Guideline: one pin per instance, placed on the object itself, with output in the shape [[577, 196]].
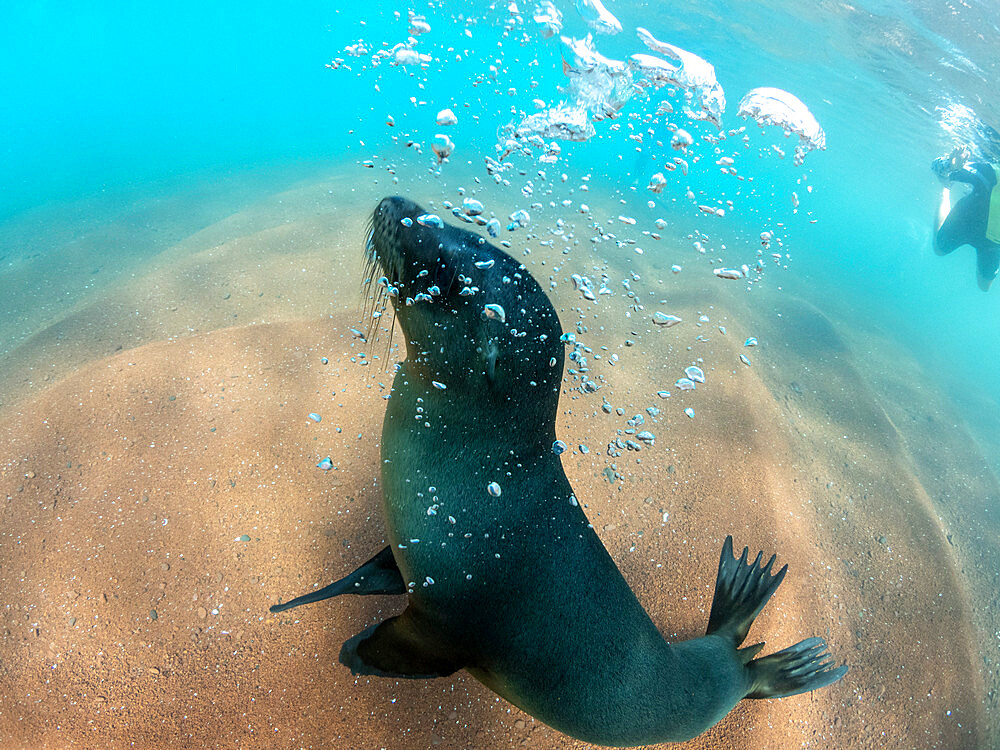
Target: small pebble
[[745, 360], [243, 538], [690, 412], [750, 342], [324, 360], [439, 386], [326, 464], [494, 489], [315, 417], [558, 447]]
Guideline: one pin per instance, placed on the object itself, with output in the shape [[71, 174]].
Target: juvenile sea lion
[[505, 577]]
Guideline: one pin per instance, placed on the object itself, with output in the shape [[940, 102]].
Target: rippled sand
[[154, 421]]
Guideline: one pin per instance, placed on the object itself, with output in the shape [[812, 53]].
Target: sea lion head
[[473, 317]]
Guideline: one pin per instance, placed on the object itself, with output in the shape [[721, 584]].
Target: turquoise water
[[128, 127], [120, 96]]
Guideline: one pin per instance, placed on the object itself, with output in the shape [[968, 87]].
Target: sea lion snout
[[418, 254], [467, 309]]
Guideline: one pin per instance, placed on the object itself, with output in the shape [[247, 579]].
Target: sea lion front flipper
[[377, 576], [398, 647]]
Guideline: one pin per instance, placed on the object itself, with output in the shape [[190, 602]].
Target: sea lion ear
[[491, 352]]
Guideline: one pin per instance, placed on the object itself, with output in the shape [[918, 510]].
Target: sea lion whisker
[[388, 346]]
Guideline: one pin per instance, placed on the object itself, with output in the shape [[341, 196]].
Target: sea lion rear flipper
[[796, 669], [377, 576], [741, 591], [398, 648]]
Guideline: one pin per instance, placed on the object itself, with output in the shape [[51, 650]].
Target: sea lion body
[[516, 587], [531, 597]]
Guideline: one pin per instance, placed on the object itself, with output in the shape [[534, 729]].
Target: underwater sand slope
[[127, 486], [288, 256]]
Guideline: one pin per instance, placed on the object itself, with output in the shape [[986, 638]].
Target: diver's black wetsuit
[[966, 222]]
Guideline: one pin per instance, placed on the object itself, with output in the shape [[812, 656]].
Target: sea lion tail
[[797, 669], [741, 591]]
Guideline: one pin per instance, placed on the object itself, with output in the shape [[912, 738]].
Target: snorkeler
[[975, 218]]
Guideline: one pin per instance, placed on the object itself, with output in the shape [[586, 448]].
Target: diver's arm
[[965, 175]]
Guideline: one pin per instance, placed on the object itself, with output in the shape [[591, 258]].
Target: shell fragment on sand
[[695, 373], [662, 319]]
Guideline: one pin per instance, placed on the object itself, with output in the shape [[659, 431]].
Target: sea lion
[[505, 577]]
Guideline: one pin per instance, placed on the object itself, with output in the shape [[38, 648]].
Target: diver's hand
[[958, 157]]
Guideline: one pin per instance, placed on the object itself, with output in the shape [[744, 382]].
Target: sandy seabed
[[154, 423]]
